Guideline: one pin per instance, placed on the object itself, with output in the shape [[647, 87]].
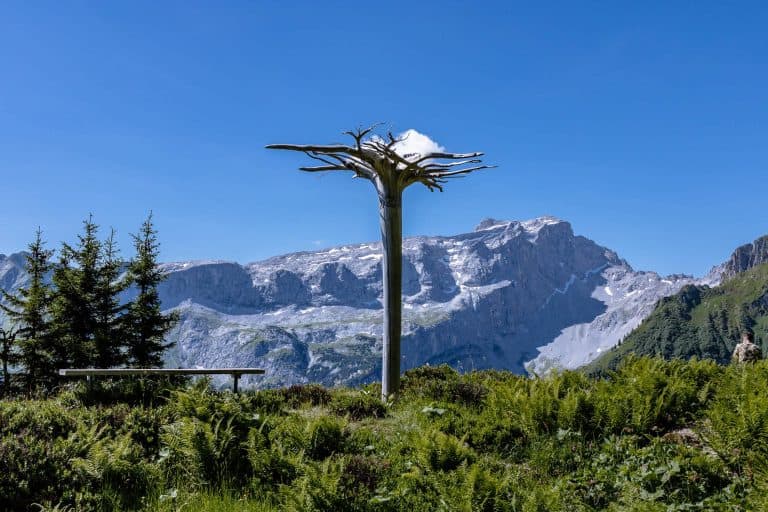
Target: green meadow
[[653, 436]]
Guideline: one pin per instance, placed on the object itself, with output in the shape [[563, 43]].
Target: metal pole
[[390, 212]]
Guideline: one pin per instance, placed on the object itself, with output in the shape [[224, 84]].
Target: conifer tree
[[29, 311], [76, 277], [147, 326], [744, 321], [109, 322]]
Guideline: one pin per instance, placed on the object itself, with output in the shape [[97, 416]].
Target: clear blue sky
[[644, 124]]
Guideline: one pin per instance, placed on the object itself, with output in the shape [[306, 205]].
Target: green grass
[[655, 435], [208, 502]]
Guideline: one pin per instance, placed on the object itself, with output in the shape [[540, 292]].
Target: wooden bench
[[236, 373]]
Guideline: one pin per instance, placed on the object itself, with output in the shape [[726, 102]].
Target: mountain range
[[527, 295]]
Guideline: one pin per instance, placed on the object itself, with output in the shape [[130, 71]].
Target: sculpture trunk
[[390, 212], [385, 162]]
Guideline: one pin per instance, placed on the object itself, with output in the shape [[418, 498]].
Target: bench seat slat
[[74, 372]]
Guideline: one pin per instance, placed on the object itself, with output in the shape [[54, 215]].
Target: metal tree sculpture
[[375, 158]]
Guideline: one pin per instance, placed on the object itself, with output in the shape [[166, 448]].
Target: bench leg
[[235, 379]]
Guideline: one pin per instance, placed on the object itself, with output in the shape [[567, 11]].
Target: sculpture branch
[[321, 168], [452, 164], [452, 156], [461, 171], [334, 148], [319, 158]]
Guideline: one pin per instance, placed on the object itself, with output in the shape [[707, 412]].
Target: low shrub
[[471, 394], [325, 436], [417, 379], [268, 401], [444, 452], [362, 473], [34, 469], [357, 406], [303, 394], [133, 390], [270, 466]]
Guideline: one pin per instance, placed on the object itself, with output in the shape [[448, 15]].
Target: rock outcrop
[[746, 257]]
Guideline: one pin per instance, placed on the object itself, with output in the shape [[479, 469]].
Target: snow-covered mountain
[[511, 295], [12, 275]]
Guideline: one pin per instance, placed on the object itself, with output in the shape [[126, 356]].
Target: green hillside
[[657, 436], [700, 321]]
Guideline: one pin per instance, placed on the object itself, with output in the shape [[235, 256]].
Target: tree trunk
[[390, 213], [6, 373]]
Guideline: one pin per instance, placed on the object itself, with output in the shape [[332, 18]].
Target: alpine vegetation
[[653, 436]]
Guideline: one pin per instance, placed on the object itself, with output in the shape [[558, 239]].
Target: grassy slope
[[485, 441], [699, 321]]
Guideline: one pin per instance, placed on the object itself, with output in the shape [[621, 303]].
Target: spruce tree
[[108, 322], [147, 326], [76, 278], [29, 311]]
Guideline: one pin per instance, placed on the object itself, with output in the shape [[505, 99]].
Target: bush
[[114, 475], [38, 418], [34, 469], [269, 465], [738, 420], [362, 473], [133, 390], [326, 436], [416, 379], [497, 434], [443, 452], [653, 395], [312, 394], [358, 406], [206, 445], [471, 394], [269, 401]]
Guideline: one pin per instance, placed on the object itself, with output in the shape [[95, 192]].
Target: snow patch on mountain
[[629, 298]]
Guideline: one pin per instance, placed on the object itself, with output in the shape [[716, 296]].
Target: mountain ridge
[[520, 295]]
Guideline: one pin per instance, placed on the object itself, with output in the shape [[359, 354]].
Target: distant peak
[[489, 223], [531, 225], [539, 222], [176, 266]]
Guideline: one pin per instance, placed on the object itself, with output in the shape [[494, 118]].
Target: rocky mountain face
[[513, 295], [12, 276], [746, 257]]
